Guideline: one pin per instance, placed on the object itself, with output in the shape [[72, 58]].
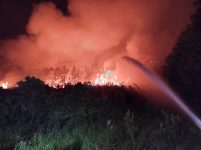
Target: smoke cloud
[[95, 34]]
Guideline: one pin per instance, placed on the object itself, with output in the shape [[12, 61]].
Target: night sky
[[14, 15]]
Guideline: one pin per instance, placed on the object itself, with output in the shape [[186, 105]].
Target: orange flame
[[107, 78], [4, 85]]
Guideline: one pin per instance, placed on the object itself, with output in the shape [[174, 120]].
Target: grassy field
[[34, 116]]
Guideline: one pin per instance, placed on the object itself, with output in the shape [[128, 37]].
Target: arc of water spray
[[165, 88]]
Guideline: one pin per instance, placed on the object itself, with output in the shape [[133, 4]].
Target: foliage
[[183, 67], [84, 117]]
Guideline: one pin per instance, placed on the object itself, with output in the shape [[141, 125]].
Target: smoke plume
[[95, 34]]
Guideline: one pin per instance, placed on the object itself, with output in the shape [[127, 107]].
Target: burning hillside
[[61, 77], [95, 34]]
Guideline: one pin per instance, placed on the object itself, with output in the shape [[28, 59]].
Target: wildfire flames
[[94, 33], [59, 81], [107, 78], [59, 77], [4, 85]]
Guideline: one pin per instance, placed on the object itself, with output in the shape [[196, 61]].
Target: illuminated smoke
[[95, 35]]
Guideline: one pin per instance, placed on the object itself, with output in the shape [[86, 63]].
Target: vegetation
[[84, 117], [34, 116], [183, 67]]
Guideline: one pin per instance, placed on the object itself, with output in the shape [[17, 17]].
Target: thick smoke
[[95, 33]]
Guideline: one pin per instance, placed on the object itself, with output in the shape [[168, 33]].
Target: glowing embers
[[4, 85], [107, 78]]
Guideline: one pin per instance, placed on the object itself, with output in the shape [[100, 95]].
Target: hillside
[[83, 117]]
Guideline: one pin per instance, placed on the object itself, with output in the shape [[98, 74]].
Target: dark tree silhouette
[[183, 67]]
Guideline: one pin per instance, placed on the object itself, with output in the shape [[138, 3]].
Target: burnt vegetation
[[35, 116]]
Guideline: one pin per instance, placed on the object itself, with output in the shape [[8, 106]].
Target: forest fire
[[93, 74], [106, 78], [94, 33], [4, 85], [59, 77]]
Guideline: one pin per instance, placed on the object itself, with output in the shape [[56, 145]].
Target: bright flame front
[[59, 80], [107, 78], [4, 85]]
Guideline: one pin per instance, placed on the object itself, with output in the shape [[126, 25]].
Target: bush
[[84, 117]]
